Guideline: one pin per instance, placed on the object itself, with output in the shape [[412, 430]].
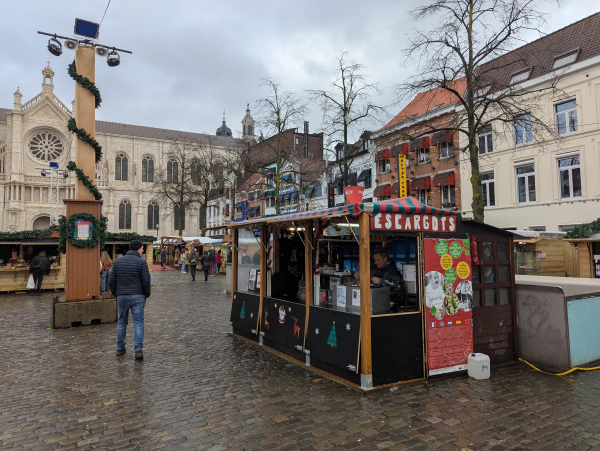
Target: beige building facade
[[532, 180], [34, 133]]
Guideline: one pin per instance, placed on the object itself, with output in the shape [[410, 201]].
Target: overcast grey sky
[[192, 59]]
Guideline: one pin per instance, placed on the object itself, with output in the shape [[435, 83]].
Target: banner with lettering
[[413, 222], [402, 176], [449, 300]]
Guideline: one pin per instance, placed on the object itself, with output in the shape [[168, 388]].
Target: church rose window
[[46, 146]]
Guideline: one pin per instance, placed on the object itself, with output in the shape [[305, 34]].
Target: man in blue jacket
[[130, 284]]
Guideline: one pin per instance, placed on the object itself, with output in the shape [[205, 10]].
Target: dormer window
[[520, 76], [565, 59]]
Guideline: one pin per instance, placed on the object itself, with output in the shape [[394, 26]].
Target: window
[[152, 216], [124, 215], [317, 191], [249, 129], [368, 181], [485, 140], [195, 173], [565, 59], [147, 169], [177, 217], [340, 153], [526, 183], [566, 228], [487, 189], [448, 198], [537, 228], [383, 166], [569, 176], [523, 129], [424, 196], [446, 149], [46, 146], [296, 140], [520, 76], [566, 117], [367, 144], [423, 155], [121, 164], [172, 171]]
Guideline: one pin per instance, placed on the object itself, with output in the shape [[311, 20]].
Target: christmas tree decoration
[[332, 340], [243, 311]]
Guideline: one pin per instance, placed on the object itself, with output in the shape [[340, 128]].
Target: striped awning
[[420, 143], [408, 205]]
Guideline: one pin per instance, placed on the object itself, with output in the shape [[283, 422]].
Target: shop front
[[15, 256], [373, 293]]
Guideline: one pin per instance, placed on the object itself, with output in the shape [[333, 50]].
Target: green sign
[[450, 275], [455, 250], [441, 247]]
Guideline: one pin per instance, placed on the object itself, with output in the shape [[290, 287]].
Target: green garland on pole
[[85, 83], [82, 135], [85, 137], [68, 228], [71, 166]]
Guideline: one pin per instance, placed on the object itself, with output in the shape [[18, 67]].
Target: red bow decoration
[[474, 252]]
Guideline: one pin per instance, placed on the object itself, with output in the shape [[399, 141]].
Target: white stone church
[[34, 133]]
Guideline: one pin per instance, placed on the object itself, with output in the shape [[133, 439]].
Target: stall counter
[[15, 279]]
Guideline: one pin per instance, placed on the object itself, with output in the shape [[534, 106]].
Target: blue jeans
[[104, 277], [182, 266], [136, 303]]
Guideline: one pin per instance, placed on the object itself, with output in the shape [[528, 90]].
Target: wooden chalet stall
[[317, 302]]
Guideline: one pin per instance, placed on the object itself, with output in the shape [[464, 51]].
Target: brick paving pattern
[[199, 388]]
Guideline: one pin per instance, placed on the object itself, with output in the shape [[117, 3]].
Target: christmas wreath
[[68, 227]]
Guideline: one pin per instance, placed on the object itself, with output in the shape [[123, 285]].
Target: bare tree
[[174, 185], [346, 106], [467, 41], [278, 112]]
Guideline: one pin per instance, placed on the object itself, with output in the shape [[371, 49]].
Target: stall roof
[[403, 205]]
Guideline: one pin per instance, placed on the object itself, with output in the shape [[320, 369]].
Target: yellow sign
[[446, 261], [463, 270], [402, 176]]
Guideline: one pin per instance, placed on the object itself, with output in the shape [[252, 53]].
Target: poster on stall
[[449, 299]]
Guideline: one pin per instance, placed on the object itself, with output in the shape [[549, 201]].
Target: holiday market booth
[[322, 303]]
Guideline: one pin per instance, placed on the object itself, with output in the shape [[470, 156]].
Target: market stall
[[15, 256], [320, 300]]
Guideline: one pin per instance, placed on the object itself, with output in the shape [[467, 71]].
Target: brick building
[[432, 167]]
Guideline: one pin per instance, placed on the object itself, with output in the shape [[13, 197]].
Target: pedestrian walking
[[105, 267], [205, 262], [39, 266], [130, 284], [218, 262], [213, 259], [164, 257], [177, 256], [193, 259], [184, 267]]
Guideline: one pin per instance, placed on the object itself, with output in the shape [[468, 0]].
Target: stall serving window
[[248, 261], [491, 278]]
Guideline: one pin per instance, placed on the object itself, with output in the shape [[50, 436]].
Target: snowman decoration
[[281, 314]]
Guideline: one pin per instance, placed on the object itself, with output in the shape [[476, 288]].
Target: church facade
[[34, 134]]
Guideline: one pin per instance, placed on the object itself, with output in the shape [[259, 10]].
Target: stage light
[[54, 46], [86, 28], [113, 59]]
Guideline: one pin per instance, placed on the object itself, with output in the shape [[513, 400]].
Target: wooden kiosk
[[458, 274]]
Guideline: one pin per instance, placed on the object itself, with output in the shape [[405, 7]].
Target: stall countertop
[[24, 268]]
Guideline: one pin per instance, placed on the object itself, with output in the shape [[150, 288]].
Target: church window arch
[[249, 129], [125, 215], [195, 172], [148, 169], [172, 171], [121, 167], [153, 215]]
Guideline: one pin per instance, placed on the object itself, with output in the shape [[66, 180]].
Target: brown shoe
[[139, 355]]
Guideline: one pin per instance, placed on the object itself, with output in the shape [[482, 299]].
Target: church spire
[[248, 126]]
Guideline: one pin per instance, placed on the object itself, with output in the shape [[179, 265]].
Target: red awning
[[446, 178], [399, 149], [420, 183], [395, 189], [382, 155], [443, 136], [382, 190], [404, 149], [420, 143]]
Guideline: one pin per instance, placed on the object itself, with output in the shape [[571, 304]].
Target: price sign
[[83, 230]]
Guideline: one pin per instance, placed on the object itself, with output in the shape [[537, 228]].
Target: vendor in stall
[[385, 274]]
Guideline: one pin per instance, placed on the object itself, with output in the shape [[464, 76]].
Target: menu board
[[449, 299]]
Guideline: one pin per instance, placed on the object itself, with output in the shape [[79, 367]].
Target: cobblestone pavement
[[199, 388]]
